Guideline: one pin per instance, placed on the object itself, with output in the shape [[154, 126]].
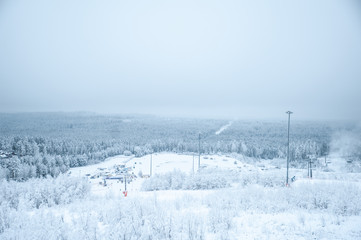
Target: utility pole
[[193, 164], [199, 151], [308, 167], [288, 144]]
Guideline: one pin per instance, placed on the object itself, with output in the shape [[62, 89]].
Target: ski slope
[[253, 209], [161, 163]]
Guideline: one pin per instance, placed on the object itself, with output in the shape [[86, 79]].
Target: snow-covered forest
[[37, 145]]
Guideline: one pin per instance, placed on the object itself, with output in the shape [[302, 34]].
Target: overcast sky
[[204, 58]]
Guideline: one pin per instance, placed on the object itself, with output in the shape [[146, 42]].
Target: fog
[[224, 59]]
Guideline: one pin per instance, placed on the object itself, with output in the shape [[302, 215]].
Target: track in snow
[[224, 128]]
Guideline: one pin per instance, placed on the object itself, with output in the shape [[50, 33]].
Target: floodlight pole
[[288, 144], [199, 151]]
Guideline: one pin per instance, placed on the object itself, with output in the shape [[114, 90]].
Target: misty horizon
[[203, 59], [281, 118]]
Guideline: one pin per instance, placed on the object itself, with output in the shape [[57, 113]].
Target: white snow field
[[252, 204]]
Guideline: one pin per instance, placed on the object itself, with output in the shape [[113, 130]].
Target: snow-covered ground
[[261, 213], [258, 206]]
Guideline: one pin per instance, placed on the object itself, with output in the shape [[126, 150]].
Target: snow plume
[[347, 143]]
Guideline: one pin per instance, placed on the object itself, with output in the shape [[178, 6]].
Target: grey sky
[[183, 57]]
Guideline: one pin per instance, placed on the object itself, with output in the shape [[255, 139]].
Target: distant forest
[[41, 144]]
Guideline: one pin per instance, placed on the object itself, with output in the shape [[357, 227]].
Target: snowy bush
[[172, 180], [214, 215], [204, 179], [266, 179], [210, 179], [43, 192], [127, 153], [337, 198]]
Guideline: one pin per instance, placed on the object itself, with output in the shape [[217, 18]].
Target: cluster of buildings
[[118, 172]]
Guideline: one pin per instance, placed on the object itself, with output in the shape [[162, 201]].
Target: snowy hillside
[[247, 200]]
